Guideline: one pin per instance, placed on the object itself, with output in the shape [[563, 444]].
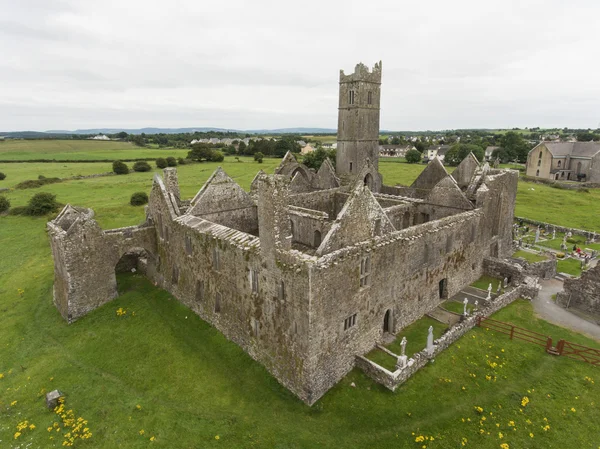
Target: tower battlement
[[362, 73]]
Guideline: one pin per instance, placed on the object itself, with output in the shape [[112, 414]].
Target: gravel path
[[549, 311]]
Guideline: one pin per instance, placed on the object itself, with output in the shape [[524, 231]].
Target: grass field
[[569, 266], [193, 386], [79, 150], [528, 256]]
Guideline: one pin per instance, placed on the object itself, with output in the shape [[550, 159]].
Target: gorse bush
[[4, 204], [120, 168], [2, 176], [171, 161], [141, 166], [160, 163], [138, 199], [42, 203]]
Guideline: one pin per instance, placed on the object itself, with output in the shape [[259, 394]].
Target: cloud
[[269, 64]]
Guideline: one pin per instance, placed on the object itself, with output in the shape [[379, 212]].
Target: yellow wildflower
[[419, 439], [142, 432], [139, 407], [31, 426], [573, 410], [17, 435], [217, 437], [500, 435], [530, 435], [152, 438], [504, 446], [13, 403]]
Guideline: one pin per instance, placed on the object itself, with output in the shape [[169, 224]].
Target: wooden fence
[[563, 347]]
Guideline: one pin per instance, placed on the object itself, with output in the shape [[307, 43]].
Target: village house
[[394, 150], [565, 161], [436, 150]]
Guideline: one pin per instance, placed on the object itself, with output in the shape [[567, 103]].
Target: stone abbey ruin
[[309, 269]]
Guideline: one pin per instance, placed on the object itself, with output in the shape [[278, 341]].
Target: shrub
[[2, 176], [413, 156], [141, 166], [181, 161], [33, 183], [19, 210], [42, 203], [171, 161], [120, 168], [4, 204], [138, 199], [160, 163], [216, 156], [258, 157]]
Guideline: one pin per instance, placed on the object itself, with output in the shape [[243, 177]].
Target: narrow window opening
[[537, 173], [370, 97], [188, 245], [350, 97], [540, 154], [559, 163], [199, 291], [365, 271], [218, 303], [350, 167], [216, 261], [254, 281], [350, 322], [281, 291], [539, 162]]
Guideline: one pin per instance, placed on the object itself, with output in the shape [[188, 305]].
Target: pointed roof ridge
[[218, 175], [254, 183], [448, 186], [287, 158], [431, 175]]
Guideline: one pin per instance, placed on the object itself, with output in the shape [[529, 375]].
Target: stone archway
[[368, 181], [387, 321]]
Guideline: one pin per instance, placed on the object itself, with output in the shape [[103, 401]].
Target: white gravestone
[[402, 361], [465, 302], [430, 341]]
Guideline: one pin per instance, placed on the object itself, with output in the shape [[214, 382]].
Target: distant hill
[[192, 130]]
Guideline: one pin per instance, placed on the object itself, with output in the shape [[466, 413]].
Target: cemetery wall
[[545, 269], [587, 234]]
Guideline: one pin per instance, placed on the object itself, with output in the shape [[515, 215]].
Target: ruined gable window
[[188, 245], [218, 303], [369, 97], [281, 292], [365, 270], [349, 322], [537, 173], [559, 163], [350, 97], [199, 290], [540, 154], [539, 162], [216, 260], [254, 281], [175, 275]]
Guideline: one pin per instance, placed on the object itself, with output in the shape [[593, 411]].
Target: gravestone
[[430, 341], [52, 399]]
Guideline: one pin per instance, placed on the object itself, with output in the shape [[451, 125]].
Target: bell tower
[[358, 124]]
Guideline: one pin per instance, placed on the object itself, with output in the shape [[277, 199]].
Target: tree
[[587, 137], [141, 166], [395, 140], [317, 157], [199, 152], [2, 176], [138, 199], [42, 203], [217, 156], [121, 135], [420, 146], [413, 156], [120, 168], [161, 163], [242, 147], [515, 146], [171, 161], [230, 149], [458, 152], [258, 157], [4, 204], [181, 161]]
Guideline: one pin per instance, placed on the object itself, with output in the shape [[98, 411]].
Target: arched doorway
[[317, 238], [134, 262], [368, 181], [387, 321], [443, 288]]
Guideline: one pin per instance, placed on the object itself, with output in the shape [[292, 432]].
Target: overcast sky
[[67, 64]]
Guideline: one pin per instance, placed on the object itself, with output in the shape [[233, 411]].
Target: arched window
[[559, 163], [537, 173]]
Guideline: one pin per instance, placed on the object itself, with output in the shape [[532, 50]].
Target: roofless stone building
[[308, 269]]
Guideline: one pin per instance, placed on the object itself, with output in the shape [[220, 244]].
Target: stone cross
[[465, 302], [553, 233], [490, 290], [430, 341], [403, 345]]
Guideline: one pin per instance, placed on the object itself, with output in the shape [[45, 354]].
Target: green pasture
[[195, 389], [79, 150]]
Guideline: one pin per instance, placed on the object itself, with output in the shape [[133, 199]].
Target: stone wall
[[582, 293], [392, 380], [590, 235], [500, 269], [545, 269]]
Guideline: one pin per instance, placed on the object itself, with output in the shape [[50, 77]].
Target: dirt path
[[548, 310]]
